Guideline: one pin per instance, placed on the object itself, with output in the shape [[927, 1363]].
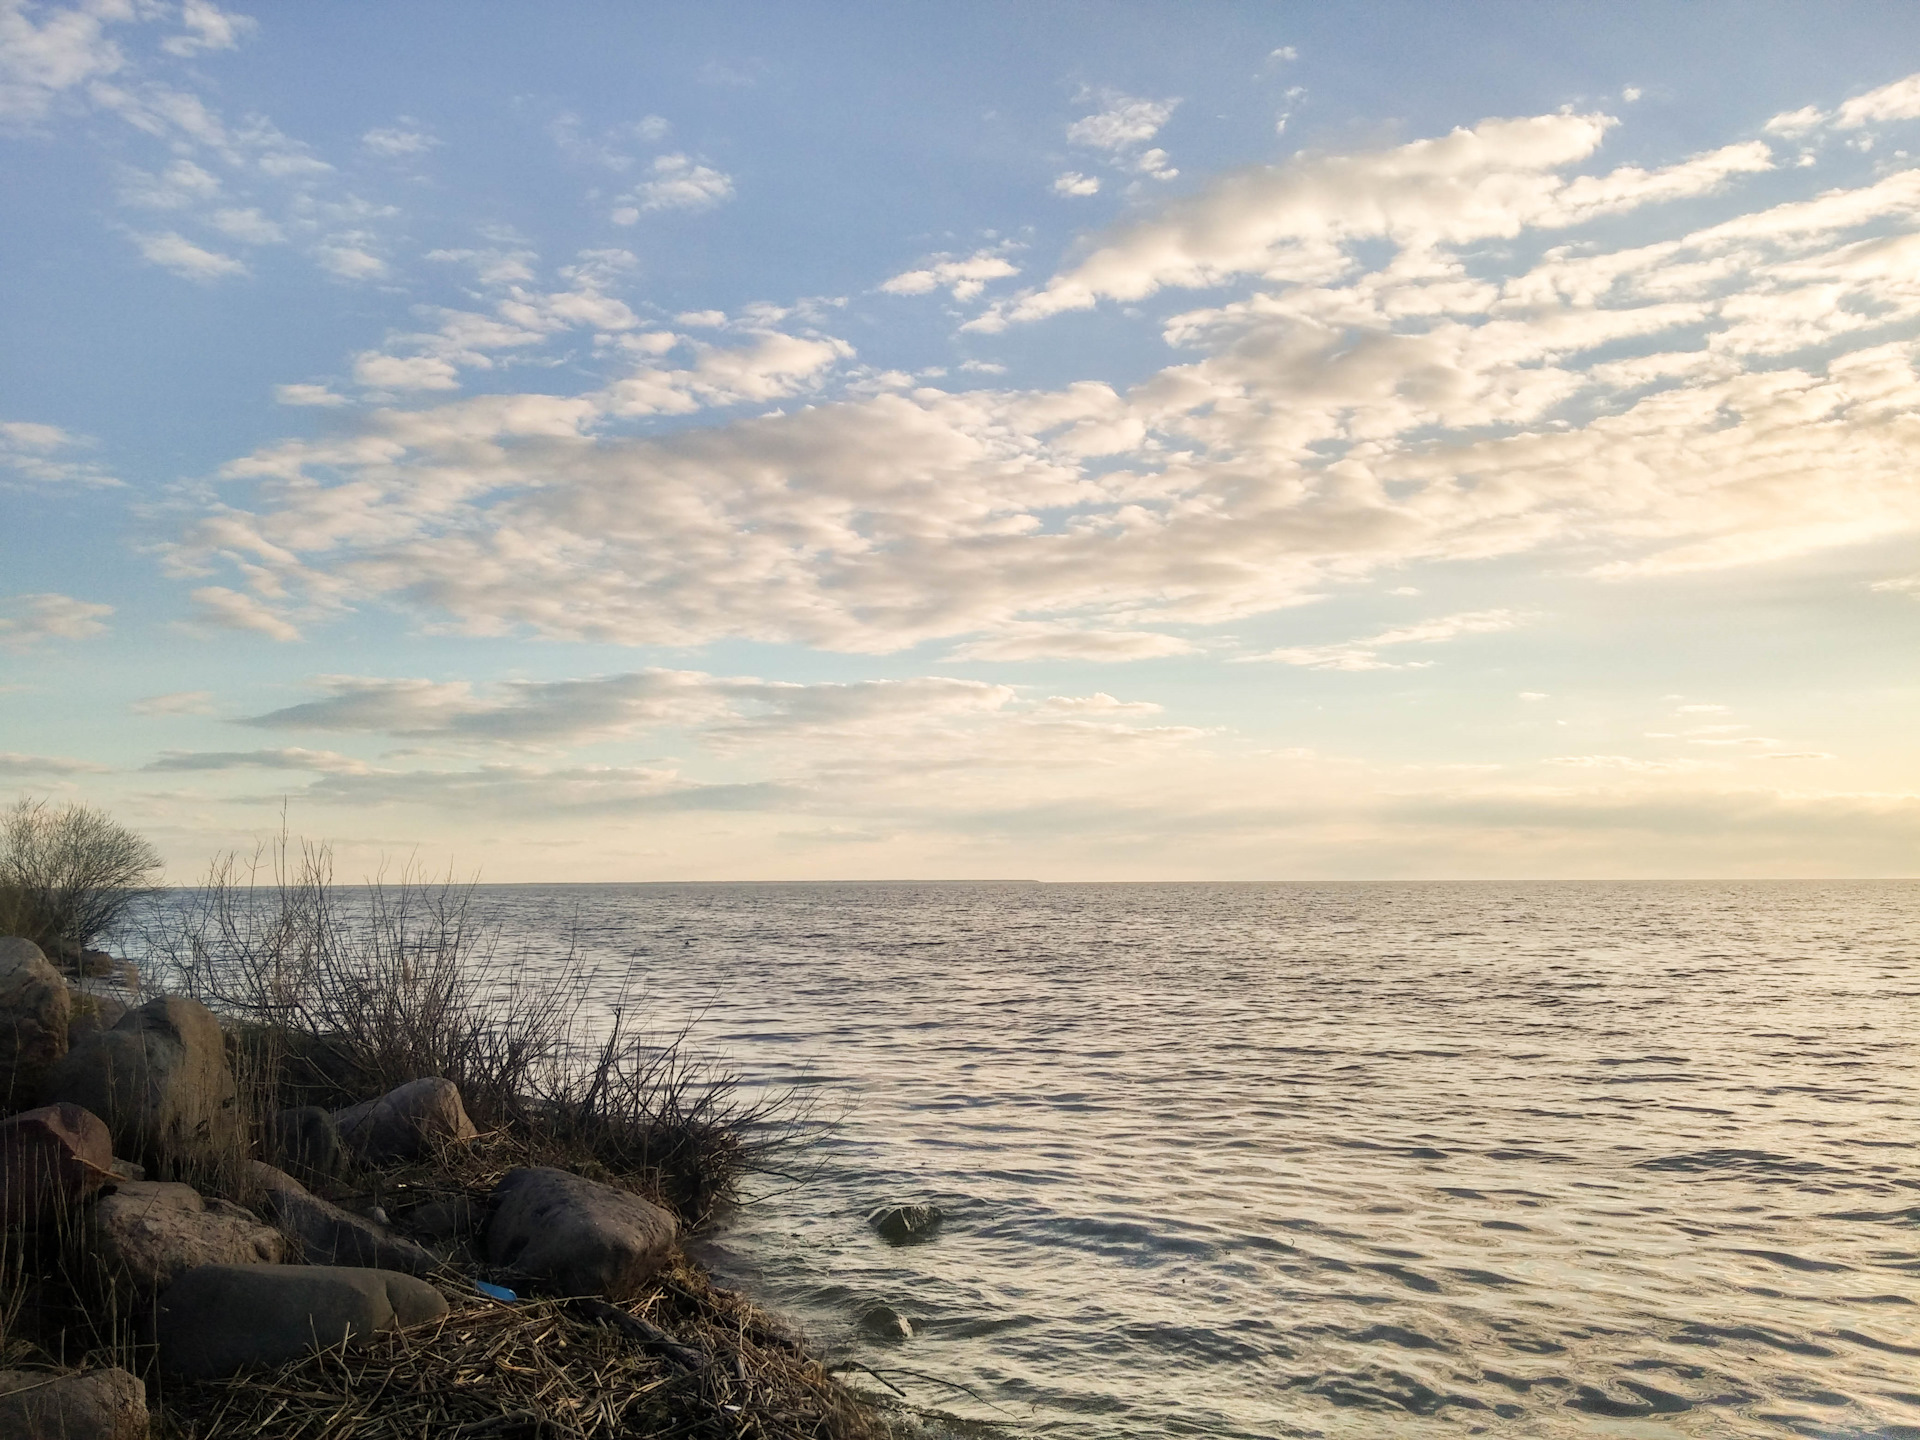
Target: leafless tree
[[69, 873]]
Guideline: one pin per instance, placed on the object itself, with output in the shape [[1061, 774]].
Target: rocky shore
[[181, 1259]]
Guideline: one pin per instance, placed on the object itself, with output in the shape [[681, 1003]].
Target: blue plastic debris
[[495, 1292]]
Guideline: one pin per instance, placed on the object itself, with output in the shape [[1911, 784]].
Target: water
[[1341, 1160]]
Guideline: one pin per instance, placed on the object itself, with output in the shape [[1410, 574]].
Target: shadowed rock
[[570, 1236], [407, 1122], [50, 1158], [99, 1405], [159, 1078], [218, 1319], [35, 1008], [306, 1143], [329, 1235], [905, 1224]]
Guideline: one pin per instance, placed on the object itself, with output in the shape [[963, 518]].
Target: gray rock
[[222, 1318], [35, 1009], [905, 1224], [406, 1123], [306, 1143], [272, 1180], [49, 1159], [880, 1321], [149, 1233], [328, 1235], [571, 1236], [160, 1080], [127, 1170], [98, 1405]]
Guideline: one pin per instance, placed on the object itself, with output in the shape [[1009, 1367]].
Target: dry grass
[[548, 1369]]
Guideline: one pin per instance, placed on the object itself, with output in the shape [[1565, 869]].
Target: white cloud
[[962, 278], [208, 28], [230, 610], [350, 260], [38, 454], [1025, 642], [178, 702], [1072, 182], [247, 225], [181, 184], [396, 141], [1364, 654], [40, 62], [1899, 585], [1126, 124], [678, 183], [38, 619], [14, 763], [307, 395], [172, 251], [404, 372], [325, 761]]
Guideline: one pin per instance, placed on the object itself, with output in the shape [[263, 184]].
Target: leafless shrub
[[68, 874], [337, 994]]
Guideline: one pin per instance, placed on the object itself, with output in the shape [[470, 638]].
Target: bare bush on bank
[[340, 993], [68, 873]]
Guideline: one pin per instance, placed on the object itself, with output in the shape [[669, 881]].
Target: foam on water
[[1265, 1160]]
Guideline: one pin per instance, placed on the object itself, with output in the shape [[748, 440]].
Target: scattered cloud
[[679, 183], [350, 260], [1072, 182], [396, 142], [1122, 131], [963, 278], [307, 395], [38, 454], [325, 761], [178, 702], [207, 28], [13, 763], [173, 252], [1899, 585], [1365, 654], [38, 619], [226, 609]]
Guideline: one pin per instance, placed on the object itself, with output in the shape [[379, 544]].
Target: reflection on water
[[1337, 1160]]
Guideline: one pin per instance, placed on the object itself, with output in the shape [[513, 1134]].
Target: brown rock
[[99, 1405], [34, 1011], [149, 1233], [407, 1122], [570, 1236], [90, 1013], [50, 1158], [218, 1319], [160, 1080]]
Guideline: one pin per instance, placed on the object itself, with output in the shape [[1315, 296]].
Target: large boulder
[[406, 1123], [219, 1319], [328, 1235], [149, 1233], [50, 1158], [34, 1010], [160, 1080], [98, 1405], [571, 1236]]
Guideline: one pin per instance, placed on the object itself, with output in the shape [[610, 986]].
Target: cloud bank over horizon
[[1362, 470]]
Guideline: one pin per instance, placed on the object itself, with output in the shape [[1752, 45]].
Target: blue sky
[[1073, 441]]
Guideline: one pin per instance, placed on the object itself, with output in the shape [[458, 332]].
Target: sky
[[1113, 441]]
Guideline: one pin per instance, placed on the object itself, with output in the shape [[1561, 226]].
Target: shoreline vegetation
[[328, 1164]]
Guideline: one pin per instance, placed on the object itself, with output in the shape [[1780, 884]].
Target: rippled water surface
[[1342, 1160]]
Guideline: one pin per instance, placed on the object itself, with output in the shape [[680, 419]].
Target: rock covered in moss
[[159, 1078], [49, 1159], [149, 1233], [34, 1011], [568, 1235], [218, 1319], [407, 1122], [97, 1405]]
